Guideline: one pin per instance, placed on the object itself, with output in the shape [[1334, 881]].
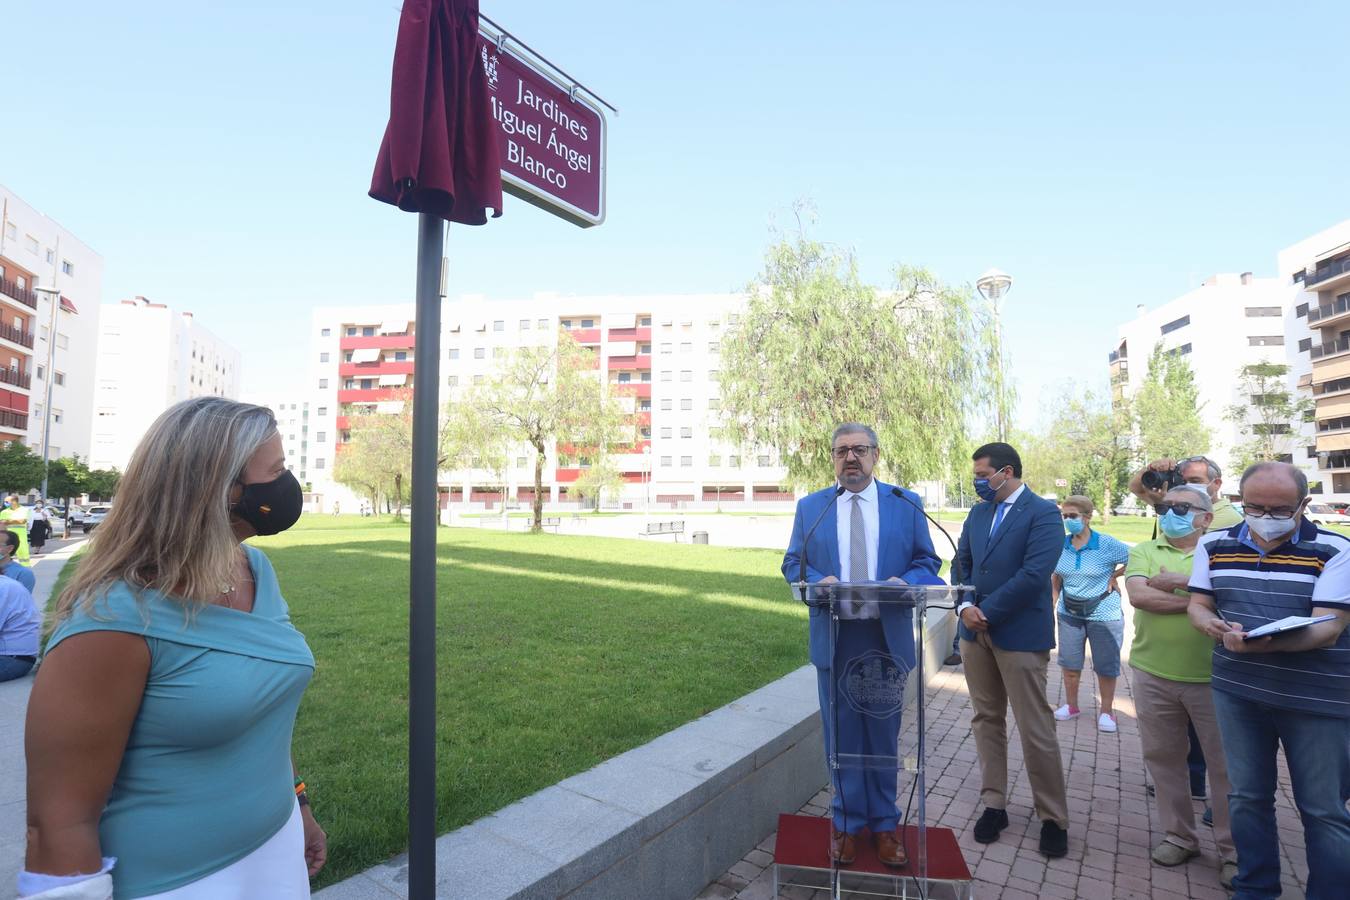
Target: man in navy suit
[[860, 531], [1008, 550]]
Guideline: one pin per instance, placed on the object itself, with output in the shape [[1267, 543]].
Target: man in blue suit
[[1008, 550], [859, 531]]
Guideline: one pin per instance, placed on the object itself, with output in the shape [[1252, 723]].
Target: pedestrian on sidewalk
[[1008, 550], [159, 725], [11, 568], [1172, 670], [19, 625], [39, 527], [1290, 690], [15, 518], [1089, 609]]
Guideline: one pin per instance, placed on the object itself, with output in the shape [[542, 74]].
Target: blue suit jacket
[[904, 549], [1011, 571]]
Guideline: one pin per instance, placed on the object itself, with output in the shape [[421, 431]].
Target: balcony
[[641, 334], [15, 378], [585, 335], [1330, 348], [22, 338], [375, 369], [371, 395], [1330, 313], [11, 419], [380, 341], [643, 418], [631, 388], [643, 361], [12, 290], [1327, 275]]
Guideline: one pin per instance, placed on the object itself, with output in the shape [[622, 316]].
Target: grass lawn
[[556, 653], [1130, 529]]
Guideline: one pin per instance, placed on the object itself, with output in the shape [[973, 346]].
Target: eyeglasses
[[1280, 513], [859, 450], [1180, 509]]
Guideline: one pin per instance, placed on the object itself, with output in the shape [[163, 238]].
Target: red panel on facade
[[382, 341], [632, 389], [374, 395], [631, 334], [631, 362], [642, 418], [566, 476], [674, 498], [585, 335], [634, 477], [375, 369], [14, 401], [344, 423]]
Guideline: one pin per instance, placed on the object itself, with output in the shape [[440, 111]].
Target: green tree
[[67, 477], [817, 346], [1167, 409], [1270, 417], [550, 394], [20, 468], [599, 480], [101, 484]]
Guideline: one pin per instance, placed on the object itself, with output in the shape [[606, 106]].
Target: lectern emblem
[[873, 684]]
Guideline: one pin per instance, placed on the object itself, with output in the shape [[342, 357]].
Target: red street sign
[[552, 139]]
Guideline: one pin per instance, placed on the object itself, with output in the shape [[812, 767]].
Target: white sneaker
[[1106, 723], [1064, 713]]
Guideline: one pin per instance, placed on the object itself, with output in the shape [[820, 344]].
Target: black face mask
[[271, 506]]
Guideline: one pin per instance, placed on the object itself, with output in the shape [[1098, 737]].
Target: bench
[[550, 521], [653, 528]]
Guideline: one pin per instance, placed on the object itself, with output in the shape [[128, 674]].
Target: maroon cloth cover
[[439, 154]]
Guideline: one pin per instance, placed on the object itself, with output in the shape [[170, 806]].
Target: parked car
[[1339, 505], [1323, 514], [92, 517]]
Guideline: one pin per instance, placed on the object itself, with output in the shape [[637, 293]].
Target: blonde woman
[[159, 727], [15, 518]]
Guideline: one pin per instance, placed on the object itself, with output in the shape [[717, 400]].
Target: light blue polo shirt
[[1087, 573]]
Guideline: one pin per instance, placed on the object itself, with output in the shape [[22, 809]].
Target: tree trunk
[[398, 496], [1106, 499], [537, 523]]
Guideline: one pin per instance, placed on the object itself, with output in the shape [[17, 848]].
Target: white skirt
[[275, 871]]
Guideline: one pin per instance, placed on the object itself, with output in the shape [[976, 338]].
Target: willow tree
[[816, 346], [552, 394]]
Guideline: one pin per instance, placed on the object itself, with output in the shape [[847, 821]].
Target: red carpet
[[804, 841]]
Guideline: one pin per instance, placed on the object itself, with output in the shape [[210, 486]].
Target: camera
[[1162, 481]]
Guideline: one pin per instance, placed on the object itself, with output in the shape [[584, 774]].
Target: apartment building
[[1317, 269], [1229, 322], [292, 413], [150, 357], [47, 337], [659, 354]]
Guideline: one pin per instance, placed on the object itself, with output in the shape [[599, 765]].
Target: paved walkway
[[1113, 820], [13, 707]]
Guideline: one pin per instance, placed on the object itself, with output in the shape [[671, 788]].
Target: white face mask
[[1269, 529]]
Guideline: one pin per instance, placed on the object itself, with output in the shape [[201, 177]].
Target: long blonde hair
[[169, 529]]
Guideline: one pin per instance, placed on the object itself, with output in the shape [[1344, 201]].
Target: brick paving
[[1113, 821]]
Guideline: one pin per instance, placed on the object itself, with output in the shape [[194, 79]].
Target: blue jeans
[[1317, 749], [11, 668]]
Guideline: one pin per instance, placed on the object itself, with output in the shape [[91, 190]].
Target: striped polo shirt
[[1252, 588]]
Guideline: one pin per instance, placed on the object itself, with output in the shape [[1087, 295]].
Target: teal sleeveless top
[[206, 776]]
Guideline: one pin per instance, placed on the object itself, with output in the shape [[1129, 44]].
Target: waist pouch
[[1082, 607]]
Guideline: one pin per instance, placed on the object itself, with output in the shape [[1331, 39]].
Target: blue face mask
[[986, 491], [1073, 526], [1175, 526]]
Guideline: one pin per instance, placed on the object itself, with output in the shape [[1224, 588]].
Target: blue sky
[[218, 156]]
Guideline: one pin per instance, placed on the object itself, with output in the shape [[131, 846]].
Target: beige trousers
[[999, 678], [1163, 706]]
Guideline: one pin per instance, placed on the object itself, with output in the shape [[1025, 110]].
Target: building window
[[325, 332], [625, 377], [543, 324], [714, 375], [665, 461], [62, 342], [478, 379], [1314, 487], [320, 436], [368, 331], [323, 383], [51, 255], [587, 323], [31, 244], [686, 347], [686, 431], [1305, 345], [56, 416], [1179, 351], [499, 325], [645, 377], [1301, 310], [480, 353], [1265, 340], [454, 353], [644, 405], [734, 461], [400, 356], [524, 324], [323, 357], [645, 321], [318, 462], [667, 375], [644, 349], [714, 347], [667, 404], [686, 403], [666, 348], [1255, 312], [686, 461], [714, 461], [1274, 428], [714, 404], [351, 331], [67, 267], [667, 433], [762, 462], [686, 375], [41, 373], [1312, 451], [1175, 324], [452, 380], [59, 378]]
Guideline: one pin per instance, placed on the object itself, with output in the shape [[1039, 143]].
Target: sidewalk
[[13, 707], [1113, 821]]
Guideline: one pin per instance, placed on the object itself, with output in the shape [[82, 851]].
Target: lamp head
[[994, 284]]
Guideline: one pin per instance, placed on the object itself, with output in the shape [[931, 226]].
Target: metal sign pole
[[422, 580]]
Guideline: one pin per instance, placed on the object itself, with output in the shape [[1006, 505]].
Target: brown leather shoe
[[891, 850], [842, 847]]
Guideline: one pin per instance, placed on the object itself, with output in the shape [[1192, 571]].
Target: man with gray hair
[[1197, 470], [1291, 688], [1171, 663]]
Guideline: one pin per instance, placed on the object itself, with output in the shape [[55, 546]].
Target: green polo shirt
[[1166, 645], [1225, 515]]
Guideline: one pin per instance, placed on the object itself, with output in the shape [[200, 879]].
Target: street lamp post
[[993, 286], [647, 482], [53, 296]]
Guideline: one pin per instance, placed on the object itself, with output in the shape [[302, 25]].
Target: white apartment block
[[44, 345], [659, 353], [1318, 270], [150, 357], [292, 413]]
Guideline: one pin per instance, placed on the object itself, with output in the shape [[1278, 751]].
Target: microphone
[[801, 572], [956, 554]]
